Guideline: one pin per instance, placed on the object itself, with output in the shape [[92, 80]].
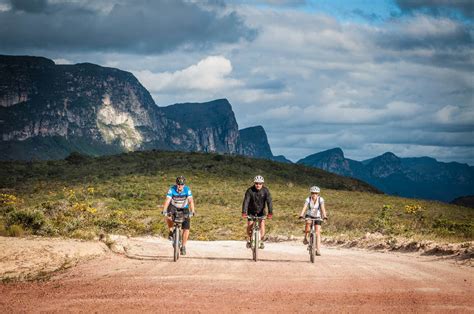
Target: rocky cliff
[[422, 177], [206, 127], [48, 110]]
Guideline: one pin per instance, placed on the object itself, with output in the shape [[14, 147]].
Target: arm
[[323, 211], [167, 203], [245, 204], [305, 207], [191, 204], [269, 203]]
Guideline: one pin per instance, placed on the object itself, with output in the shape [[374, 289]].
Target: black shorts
[[316, 222], [259, 215], [186, 225]]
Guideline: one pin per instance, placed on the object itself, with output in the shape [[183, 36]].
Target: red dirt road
[[220, 277]]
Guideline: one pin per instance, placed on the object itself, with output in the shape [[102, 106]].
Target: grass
[[83, 197]]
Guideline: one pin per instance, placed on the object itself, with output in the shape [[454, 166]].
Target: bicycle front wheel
[[256, 240], [312, 247], [176, 244]]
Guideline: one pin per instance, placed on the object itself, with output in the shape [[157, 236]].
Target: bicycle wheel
[[312, 247], [176, 244], [256, 239]]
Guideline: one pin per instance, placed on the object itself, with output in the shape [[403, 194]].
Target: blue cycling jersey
[[179, 199]]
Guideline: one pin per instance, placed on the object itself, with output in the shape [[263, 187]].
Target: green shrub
[[29, 219], [15, 231]]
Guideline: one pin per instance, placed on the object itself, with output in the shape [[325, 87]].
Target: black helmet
[[180, 180]]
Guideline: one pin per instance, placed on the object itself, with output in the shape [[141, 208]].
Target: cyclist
[[179, 198], [314, 208], [254, 204]]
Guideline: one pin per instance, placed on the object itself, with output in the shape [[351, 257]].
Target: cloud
[[139, 26], [422, 31], [437, 7], [208, 74], [33, 6]]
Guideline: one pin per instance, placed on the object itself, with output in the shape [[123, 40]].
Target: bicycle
[[312, 237], [178, 218], [255, 239]]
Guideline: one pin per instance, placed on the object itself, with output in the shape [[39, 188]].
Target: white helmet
[[315, 189], [258, 179]]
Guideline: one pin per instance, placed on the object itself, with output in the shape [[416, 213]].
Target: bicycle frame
[[312, 238], [256, 236], [178, 218]]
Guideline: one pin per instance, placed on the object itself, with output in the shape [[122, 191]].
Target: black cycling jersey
[[254, 201]]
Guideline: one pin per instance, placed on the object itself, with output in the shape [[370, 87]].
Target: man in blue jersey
[[179, 198]]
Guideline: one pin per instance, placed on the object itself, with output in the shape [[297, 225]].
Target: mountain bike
[[177, 241], [255, 239], [312, 238]]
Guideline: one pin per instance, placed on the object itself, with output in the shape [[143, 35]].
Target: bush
[[76, 158], [29, 219], [15, 231]]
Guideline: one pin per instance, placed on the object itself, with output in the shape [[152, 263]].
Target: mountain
[[422, 177], [466, 201], [48, 111]]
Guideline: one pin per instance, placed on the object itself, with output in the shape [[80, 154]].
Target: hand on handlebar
[[244, 215], [270, 216], [300, 217], [325, 218]]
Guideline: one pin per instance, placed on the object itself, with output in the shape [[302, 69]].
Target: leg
[[262, 228], [186, 227], [185, 236], [318, 237], [169, 222], [306, 229], [249, 229]]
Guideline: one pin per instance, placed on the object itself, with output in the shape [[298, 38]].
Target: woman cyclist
[[314, 208]]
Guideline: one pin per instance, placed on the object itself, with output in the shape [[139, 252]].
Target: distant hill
[[48, 111], [422, 177], [466, 201]]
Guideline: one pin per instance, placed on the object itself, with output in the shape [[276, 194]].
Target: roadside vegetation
[[84, 197]]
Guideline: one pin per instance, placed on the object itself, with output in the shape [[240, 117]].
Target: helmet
[[258, 179], [180, 180], [315, 189]]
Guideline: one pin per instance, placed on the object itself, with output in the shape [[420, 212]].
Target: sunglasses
[[180, 184], [256, 183]]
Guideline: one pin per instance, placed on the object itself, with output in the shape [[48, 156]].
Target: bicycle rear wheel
[[312, 247], [176, 244]]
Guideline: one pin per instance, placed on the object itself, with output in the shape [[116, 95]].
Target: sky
[[366, 76]]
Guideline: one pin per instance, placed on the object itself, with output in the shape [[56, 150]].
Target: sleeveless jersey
[[314, 209]]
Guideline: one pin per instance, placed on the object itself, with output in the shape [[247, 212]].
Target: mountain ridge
[[48, 110], [416, 177]]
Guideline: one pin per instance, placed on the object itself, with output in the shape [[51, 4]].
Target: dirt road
[[220, 277]]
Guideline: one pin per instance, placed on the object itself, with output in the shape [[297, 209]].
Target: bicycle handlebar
[[256, 217]]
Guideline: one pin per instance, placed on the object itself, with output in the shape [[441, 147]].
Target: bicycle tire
[[176, 244], [312, 247], [256, 244]]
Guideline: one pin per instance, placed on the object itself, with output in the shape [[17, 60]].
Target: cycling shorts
[[186, 225], [316, 222]]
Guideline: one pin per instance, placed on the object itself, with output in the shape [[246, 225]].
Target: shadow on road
[[210, 258]]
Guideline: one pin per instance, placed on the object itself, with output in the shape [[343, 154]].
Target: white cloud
[[210, 73]]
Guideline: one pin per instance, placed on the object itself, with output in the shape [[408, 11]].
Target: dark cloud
[[135, 27], [29, 5], [438, 7], [425, 32]]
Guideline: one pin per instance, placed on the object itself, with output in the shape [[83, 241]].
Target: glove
[[270, 216], [244, 215], [301, 217]]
